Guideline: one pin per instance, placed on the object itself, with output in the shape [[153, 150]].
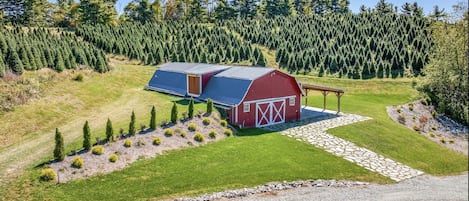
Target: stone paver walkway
[[313, 131]]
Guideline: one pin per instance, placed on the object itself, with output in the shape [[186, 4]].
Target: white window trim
[[291, 101], [246, 107]]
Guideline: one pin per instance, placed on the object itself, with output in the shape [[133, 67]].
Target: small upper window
[[291, 101], [246, 107]]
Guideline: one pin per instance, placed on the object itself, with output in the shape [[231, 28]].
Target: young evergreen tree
[[86, 137], [59, 150], [2, 66], [109, 131], [132, 128], [209, 106], [191, 108], [174, 113], [153, 118], [59, 64], [14, 62]]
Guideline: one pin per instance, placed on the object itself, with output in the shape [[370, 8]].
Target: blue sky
[[355, 4]]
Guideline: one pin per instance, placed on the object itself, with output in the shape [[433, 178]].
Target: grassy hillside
[[382, 135]]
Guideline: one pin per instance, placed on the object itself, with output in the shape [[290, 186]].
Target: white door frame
[[271, 109]]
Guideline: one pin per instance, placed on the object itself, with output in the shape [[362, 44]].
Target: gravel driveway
[[420, 188]]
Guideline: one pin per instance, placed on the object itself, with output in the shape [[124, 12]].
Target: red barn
[[252, 96]]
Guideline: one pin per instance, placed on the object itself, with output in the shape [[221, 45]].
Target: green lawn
[[231, 163], [382, 135]]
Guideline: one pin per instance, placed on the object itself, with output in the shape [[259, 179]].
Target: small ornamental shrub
[[98, 150], [77, 162], [184, 115], [432, 134], [416, 128], [442, 140], [401, 119], [168, 132], [140, 143], [121, 132], [192, 127], [433, 128], [414, 117], [177, 130], [183, 134], [433, 113], [127, 143], [398, 110], [212, 134], [206, 121], [199, 137], [223, 123], [79, 77], [113, 158], [451, 141], [47, 174], [156, 141], [411, 107], [228, 132]]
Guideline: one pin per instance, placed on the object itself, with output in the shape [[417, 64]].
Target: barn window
[[291, 101], [246, 107]]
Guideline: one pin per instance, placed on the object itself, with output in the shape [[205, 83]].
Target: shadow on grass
[[186, 102], [246, 132]]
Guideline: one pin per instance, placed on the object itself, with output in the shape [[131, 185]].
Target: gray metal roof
[[192, 68], [225, 91], [228, 87], [245, 73]]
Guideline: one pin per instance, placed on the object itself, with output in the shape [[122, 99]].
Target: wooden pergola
[[324, 91]]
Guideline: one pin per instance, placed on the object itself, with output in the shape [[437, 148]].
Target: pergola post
[[338, 101], [324, 93], [307, 97]]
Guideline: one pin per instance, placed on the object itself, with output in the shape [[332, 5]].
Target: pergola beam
[[324, 91]]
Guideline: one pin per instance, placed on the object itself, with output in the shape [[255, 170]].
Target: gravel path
[[313, 131], [424, 187]]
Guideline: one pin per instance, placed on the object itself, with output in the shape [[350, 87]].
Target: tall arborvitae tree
[[153, 118], [109, 131], [59, 150], [209, 106], [86, 137], [191, 108], [174, 113], [132, 128]]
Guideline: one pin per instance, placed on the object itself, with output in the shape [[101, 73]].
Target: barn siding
[[273, 85]]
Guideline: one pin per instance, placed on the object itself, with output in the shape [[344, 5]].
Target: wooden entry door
[[193, 82], [270, 113]]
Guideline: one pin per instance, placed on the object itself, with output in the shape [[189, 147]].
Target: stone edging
[[276, 186]]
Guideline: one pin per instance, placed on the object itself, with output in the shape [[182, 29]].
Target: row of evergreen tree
[[35, 48], [362, 45], [154, 43]]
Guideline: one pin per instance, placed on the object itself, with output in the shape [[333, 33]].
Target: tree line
[[71, 13]]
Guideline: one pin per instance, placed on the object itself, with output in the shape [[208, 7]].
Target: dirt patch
[[142, 147], [438, 128]]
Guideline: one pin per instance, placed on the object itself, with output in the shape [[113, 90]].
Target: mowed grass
[[236, 162], [382, 135], [67, 104]]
